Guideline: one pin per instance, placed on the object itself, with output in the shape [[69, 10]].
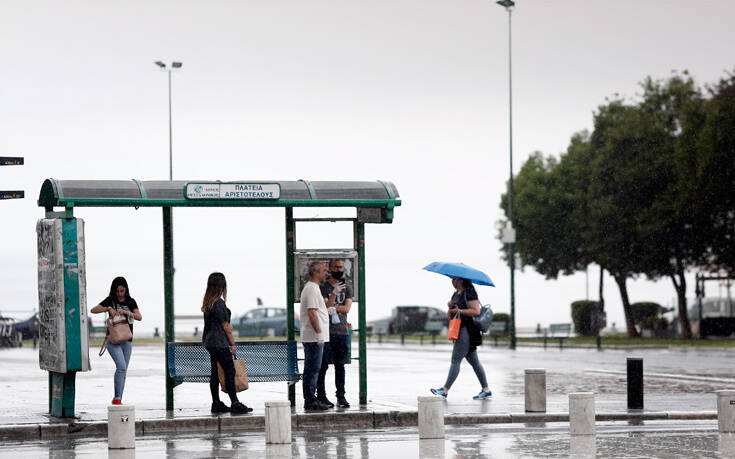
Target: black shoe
[[315, 405], [239, 408], [220, 407], [326, 401], [342, 402]]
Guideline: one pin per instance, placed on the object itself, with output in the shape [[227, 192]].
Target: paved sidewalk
[[679, 384]]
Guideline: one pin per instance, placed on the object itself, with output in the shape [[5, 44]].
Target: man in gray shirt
[[338, 299]]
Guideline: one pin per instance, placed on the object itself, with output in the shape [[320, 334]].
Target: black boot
[[342, 402], [219, 407]]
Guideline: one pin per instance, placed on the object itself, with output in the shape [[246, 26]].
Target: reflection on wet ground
[[670, 440]]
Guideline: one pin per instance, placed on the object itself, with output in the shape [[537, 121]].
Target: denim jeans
[[461, 350], [312, 364], [334, 351], [120, 354]]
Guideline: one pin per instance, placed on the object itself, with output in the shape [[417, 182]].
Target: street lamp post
[[168, 249], [508, 5], [174, 66]]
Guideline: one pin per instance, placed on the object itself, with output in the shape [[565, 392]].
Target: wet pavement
[[670, 440], [676, 379]]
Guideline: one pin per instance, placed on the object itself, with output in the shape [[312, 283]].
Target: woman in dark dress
[[217, 339], [465, 302], [119, 302]]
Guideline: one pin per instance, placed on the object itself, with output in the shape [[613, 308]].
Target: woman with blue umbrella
[[465, 304]]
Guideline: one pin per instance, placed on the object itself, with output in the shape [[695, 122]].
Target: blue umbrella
[[460, 270]]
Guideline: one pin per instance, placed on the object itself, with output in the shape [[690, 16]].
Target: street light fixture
[[174, 66], [508, 5]]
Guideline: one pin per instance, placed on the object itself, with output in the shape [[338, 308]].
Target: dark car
[[410, 319], [266, 321], [28, 328]]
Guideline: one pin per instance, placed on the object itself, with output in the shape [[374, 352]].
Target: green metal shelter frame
[[374, 202]]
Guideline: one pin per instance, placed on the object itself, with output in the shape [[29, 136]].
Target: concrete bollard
[[726, 443], [535, 388], [582, 413], [431, 416], [120, 426], [583, 446], [432, 448], [726, 410], [278, 422]]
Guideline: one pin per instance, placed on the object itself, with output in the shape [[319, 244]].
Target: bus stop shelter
[[374, 202]]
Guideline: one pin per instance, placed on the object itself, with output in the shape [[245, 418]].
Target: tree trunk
[[629, 324], [681, 295], [602, 298]]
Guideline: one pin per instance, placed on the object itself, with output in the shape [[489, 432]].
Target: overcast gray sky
[[411, 91]]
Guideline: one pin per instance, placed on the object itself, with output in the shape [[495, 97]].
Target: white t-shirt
[[311, 298]]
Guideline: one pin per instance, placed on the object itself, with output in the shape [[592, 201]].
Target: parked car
[[260, 322], [28, 328], [409, 319]]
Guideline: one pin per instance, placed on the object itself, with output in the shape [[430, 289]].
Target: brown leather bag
[[118, 330]]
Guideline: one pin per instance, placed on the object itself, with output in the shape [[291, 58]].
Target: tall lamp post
[[174, 66], [168, 249], [508, 5]]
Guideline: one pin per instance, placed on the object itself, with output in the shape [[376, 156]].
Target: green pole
[[290, 294], [362, 323], [168, 289]]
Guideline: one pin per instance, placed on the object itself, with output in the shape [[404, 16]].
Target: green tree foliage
[[582, 316], [645, 309], [649, 192]]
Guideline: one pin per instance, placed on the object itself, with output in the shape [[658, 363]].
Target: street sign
[[11, 161], [257, 191], [12, 194]]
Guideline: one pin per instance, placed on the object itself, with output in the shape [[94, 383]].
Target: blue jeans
[[120, 353], [312, 364], [461, 350], [334, 351]]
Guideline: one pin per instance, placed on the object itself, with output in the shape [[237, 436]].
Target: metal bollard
[[535, 389], [278, 422], [726, 410], [582, 413], [431, 416], [120, 426], [635, 383]]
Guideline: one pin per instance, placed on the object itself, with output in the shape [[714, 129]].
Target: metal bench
[[556, 329], [498, 329], [264, 360]]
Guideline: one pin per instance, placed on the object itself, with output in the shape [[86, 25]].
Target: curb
[[342, 420]]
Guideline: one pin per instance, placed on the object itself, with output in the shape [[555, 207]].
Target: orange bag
[[454, 325]]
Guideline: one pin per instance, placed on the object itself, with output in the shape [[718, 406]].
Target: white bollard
[[278, 422], [582, 413], [726, 410], [535, 388], [120, 426], [431, 416]]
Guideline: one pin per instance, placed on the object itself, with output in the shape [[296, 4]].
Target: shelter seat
[[264, 360]]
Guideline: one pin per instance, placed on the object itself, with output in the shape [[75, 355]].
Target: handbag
[[118, 330], [241, 376], [454, 325], [485, 318]]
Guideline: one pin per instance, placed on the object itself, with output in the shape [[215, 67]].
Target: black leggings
[[223, 356]]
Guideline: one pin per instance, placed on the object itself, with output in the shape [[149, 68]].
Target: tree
[[714, 173], [674, 238]]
